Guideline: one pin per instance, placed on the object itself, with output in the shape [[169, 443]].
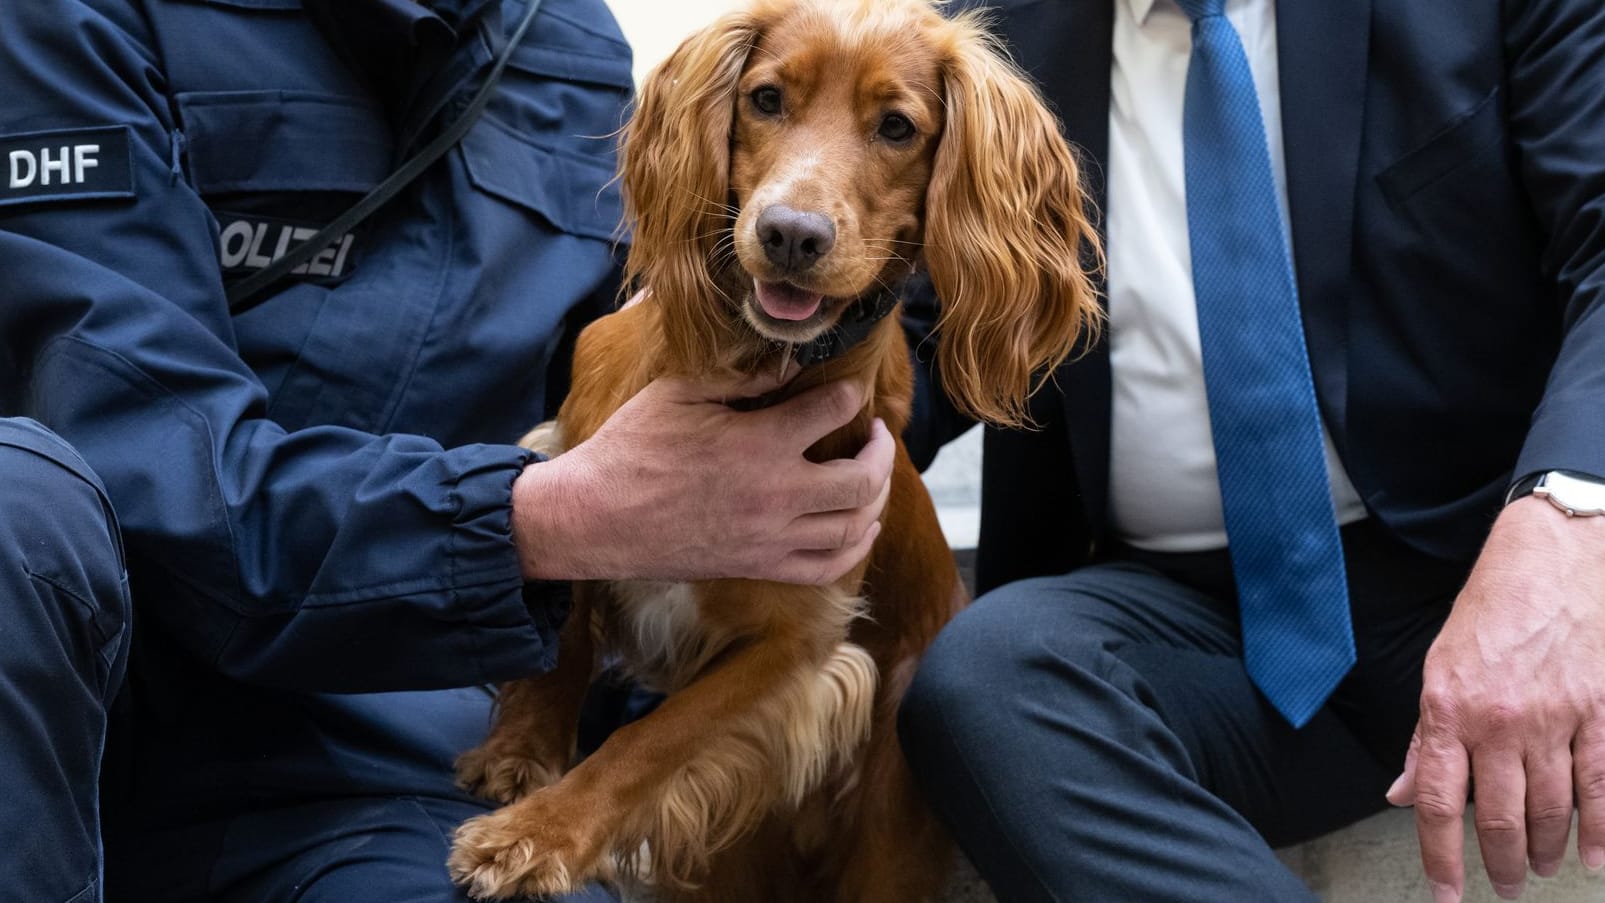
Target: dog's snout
[[794, 240]]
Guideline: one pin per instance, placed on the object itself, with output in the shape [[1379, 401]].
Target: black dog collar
[[855, 325]]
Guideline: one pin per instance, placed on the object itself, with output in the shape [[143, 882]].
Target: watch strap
[[1524, 486]]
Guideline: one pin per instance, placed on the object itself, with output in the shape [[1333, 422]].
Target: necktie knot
[[1202, 9]]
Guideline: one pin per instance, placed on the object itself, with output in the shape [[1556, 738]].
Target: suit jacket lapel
[[1323, 49]]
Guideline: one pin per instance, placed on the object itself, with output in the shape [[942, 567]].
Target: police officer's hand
[[676, 485], [1513, 705]]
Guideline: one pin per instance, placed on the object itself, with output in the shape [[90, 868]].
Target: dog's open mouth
[[784, 301]]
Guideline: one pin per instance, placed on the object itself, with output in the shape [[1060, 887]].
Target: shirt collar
[[1140, 10]]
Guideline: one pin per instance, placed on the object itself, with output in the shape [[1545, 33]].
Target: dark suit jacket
[[1446, 177]]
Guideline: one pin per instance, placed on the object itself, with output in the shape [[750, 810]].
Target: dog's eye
[[896, 128], [767, 100]]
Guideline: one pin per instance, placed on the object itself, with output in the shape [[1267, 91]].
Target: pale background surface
[[654, 27], [1375, 861]]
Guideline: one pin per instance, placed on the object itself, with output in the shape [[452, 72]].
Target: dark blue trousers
[[373, 850], [1094, 736], [64, 619], [360, 809]]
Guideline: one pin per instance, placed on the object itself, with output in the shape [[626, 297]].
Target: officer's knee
[[56, 523]]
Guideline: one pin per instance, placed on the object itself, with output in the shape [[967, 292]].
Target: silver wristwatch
[[1577, 494]]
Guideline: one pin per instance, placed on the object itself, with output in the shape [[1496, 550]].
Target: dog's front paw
[[526, 849], [494, 774]]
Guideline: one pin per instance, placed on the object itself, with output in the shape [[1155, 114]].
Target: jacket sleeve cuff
[[520, 621], [1567, 434]]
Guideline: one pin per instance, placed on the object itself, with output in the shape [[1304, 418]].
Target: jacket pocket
[[271, 141], [1472, 136], [572, 49], [574, 193]]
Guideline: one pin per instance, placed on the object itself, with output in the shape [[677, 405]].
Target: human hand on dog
[[677, 485], [1513, 704]]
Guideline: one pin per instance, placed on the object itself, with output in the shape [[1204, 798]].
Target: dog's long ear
[[1008, 236], [675, 164]]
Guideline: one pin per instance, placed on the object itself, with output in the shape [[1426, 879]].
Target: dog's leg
[[759, 866], [764, 724], [531, 742], [889, 847], [892, 849]]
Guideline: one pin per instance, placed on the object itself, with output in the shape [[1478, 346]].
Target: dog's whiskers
[[722, 206]]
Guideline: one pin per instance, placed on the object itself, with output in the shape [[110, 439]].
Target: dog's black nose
[[794, 240]]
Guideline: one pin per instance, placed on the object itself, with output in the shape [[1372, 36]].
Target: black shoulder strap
[[249, 292]]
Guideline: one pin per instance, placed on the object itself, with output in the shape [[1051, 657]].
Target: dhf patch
[[71, 164]]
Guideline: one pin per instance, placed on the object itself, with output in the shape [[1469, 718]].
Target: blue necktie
[[1286, 553]]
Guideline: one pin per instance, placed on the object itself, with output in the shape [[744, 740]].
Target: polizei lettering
[[249, 243], [73, 164]]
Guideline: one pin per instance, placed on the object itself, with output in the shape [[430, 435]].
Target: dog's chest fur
[[658, 629], [661, 630]]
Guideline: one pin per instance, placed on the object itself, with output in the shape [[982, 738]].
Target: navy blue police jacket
[[315, 495]]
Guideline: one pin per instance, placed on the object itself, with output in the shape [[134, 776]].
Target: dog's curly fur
[[772, 771]]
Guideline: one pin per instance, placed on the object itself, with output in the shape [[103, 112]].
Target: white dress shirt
[[1164, 494]]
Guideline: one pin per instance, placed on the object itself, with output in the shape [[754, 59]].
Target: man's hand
[[678, 486], [1513, 703]]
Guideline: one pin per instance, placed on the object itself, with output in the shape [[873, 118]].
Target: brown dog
[[787, 167]]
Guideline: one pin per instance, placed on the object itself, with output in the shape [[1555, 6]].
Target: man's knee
[[974, 662]]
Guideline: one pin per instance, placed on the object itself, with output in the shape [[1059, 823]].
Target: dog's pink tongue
[[787, 302]]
